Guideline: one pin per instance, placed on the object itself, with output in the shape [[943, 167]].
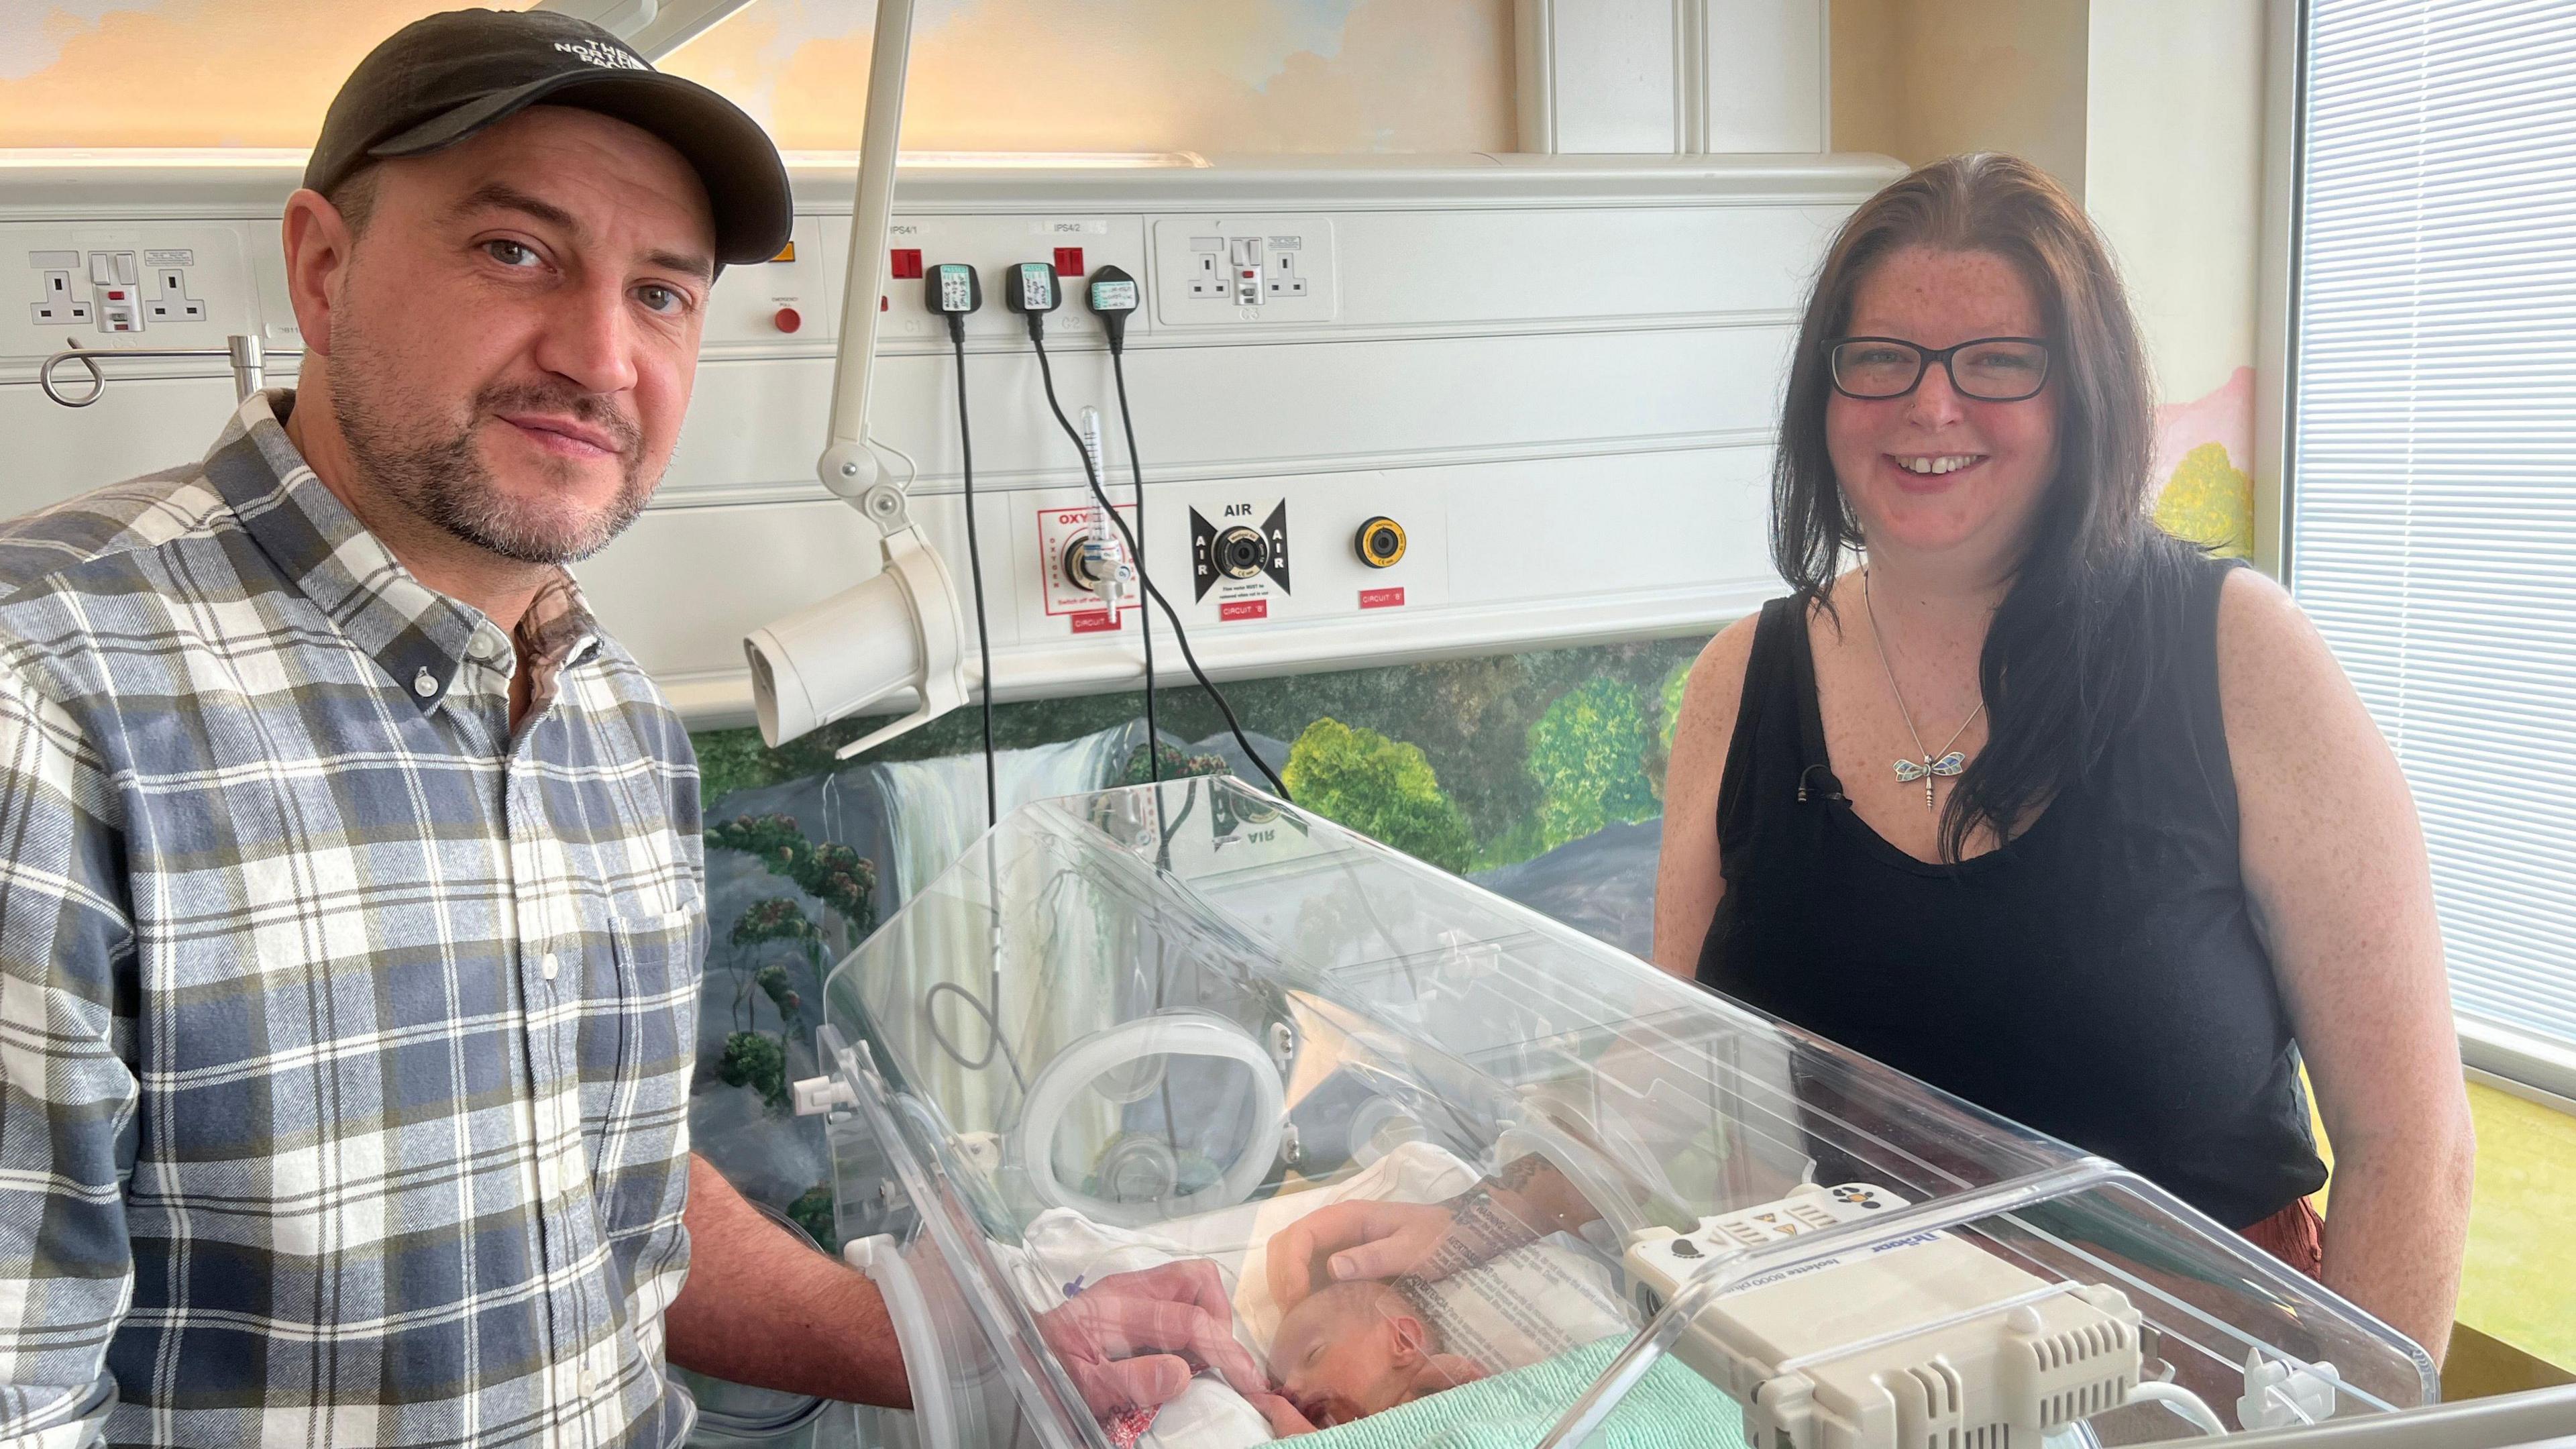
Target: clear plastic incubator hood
[[1168, 1023]]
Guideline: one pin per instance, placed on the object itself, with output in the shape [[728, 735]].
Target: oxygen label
[[1061, 534]]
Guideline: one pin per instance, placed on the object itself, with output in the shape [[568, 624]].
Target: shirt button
[[424, 684], [550, 966]]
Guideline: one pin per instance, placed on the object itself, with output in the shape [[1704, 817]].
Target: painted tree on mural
[[1176, 765], [1588, 754], [752, 1059], [2209, 501], [1382, 788], [832, 874]]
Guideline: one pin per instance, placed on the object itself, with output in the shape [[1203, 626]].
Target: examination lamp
[[904, 628]]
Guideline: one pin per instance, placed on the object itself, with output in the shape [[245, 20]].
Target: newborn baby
[[1354, 1349]]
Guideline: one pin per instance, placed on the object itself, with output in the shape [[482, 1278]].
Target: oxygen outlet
[[1077, 569], [1380, 542]]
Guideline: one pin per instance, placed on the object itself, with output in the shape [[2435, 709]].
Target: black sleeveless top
[[2098, 977]]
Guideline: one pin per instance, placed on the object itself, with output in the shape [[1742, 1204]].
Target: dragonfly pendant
[[1949, 765]]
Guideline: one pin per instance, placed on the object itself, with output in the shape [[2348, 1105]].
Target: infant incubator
[[1164, 1023]]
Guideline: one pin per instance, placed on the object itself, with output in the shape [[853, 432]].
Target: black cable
[[1136, 466], [975, 566], [1112, 295], [1180, 635]]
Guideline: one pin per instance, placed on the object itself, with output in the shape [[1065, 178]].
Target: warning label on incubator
[[1381, 598], [1098, 621], [1243, 609]]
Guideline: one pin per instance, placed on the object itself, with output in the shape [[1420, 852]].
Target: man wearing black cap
[[350, 891]]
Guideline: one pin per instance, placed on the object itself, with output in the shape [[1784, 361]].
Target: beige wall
[[2150, 111], [1198, 75], [2175, 131], [1920, 79], [2179, 186]]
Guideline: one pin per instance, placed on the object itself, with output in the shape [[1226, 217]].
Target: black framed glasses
[[1989, 369]]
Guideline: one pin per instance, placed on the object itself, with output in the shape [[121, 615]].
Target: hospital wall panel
[[1559, 374]]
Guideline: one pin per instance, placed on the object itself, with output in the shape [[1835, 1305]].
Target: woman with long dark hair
[[2020, 795]]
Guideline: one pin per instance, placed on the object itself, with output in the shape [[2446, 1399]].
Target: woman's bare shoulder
[[2273, 666], [1716, 688]]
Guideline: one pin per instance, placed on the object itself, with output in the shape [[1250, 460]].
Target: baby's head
[[1354, 1349]]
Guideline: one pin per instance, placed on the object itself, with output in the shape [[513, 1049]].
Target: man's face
[[513, 344]]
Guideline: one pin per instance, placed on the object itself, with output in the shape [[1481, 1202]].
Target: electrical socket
[[1285, 279], [170, 301], [1239, 270], [61, 304]]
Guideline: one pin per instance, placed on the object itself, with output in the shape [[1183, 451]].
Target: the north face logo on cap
[[609, 57]]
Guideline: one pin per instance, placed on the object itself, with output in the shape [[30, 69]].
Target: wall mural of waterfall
[[1538, 775]]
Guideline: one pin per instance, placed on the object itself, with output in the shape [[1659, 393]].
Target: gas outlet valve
[[1241, 553], [1380, 542]]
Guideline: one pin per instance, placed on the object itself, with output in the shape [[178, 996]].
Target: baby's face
[[1344, 1353]]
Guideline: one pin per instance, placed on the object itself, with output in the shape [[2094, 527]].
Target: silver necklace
[[1951, 762]]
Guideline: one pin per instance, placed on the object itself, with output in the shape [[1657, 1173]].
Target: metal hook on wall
[[243, 352]]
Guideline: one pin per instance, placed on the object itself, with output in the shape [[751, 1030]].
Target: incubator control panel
[[1956, 1344]]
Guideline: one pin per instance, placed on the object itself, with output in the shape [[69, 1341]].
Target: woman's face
[[1989, 462]]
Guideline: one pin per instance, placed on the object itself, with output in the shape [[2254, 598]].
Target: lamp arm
[[904, 625], [849, 467]]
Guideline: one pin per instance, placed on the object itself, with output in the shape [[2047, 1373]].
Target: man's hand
[[1132, 1340], [1354, 1240]]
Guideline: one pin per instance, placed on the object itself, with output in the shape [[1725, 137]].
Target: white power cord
[[2182, 1401]]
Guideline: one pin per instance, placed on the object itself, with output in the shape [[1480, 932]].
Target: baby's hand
[[1283, 1416], [1132, 1340], [1457, 1368]]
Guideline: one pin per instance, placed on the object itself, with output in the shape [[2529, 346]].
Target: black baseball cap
[[439, 80]]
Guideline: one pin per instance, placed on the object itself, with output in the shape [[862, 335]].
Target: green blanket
[[1670, 1408]]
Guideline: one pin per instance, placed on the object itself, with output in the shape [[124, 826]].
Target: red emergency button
[[788, 320]]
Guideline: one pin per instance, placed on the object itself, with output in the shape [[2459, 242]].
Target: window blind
[[2433, 498]]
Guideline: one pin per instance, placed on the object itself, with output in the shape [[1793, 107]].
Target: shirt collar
[[420, 638]]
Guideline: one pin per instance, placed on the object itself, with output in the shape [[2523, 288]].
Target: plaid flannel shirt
[[345, 1037]]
